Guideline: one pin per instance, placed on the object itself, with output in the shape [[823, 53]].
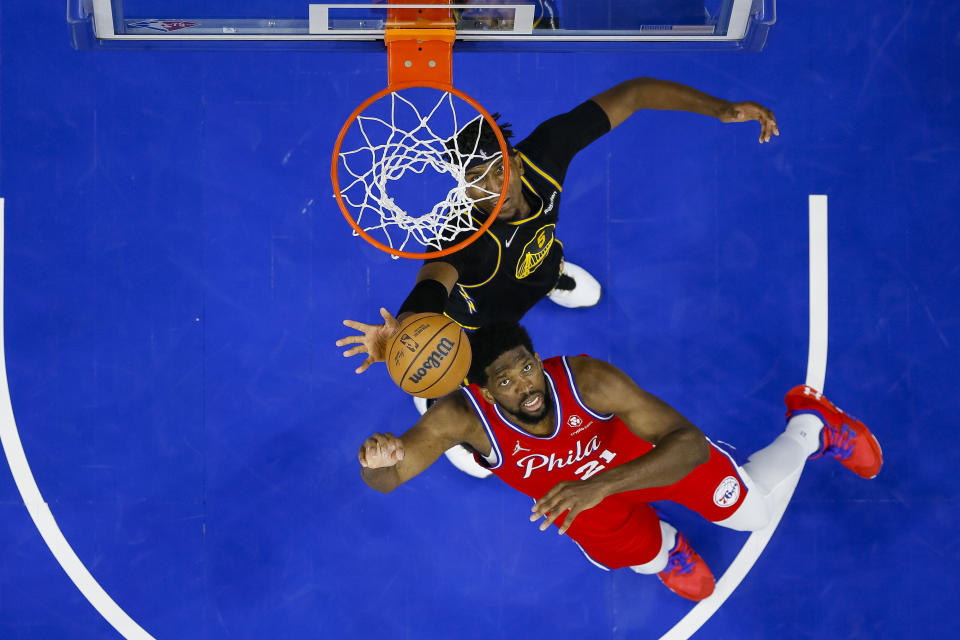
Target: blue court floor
[[176, 274]]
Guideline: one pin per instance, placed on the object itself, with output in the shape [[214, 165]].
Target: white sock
[[668, 538], [776, 462], [769, 466], [805, 428]]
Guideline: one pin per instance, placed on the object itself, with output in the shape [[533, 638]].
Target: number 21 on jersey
[[593, 467]]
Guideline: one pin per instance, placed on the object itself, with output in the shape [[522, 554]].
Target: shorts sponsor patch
[[727, 493]]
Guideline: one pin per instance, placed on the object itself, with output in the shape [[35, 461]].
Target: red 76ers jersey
[[582, 444]]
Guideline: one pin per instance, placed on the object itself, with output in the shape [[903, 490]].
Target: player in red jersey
[[593, 449]]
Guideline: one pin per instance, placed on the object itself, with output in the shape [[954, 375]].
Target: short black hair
[[477, 138], [490, 342]]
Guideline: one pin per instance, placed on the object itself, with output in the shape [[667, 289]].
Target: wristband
[[428, 296]]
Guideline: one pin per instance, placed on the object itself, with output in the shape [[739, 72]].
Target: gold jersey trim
[[546, 176], [495, 269], [543, 173], [460, 323]]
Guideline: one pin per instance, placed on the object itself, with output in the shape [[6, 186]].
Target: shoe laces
[[841, 442], [680, 561]]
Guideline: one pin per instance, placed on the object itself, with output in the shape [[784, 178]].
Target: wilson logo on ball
[[434, 360], [429, 355]]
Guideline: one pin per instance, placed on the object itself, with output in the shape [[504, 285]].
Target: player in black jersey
[[519, 260]]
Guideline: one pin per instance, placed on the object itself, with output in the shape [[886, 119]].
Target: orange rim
[[334, 166]]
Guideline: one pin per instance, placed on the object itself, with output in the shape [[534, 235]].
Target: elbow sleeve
[[428, 296]]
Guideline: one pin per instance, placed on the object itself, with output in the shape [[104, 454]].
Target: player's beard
[[533, 418]]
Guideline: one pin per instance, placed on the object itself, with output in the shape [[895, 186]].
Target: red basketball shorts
[[624, 530]]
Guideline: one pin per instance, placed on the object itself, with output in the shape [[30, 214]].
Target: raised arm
[[442, 272], [387, 461], [435, 281], [626, 98], [680, 446]]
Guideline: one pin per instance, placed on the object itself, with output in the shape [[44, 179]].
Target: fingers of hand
[[542, 511], [538, 513], [381, 450], [747, 111], [769, 130], [542, 506], [569, 520], [366, 365], [349, 340], [551, 506], [769, 125], [388, 318], [359, 326], [389, 452], [368, 451], [390, 324], [362, 348], [552, 515]]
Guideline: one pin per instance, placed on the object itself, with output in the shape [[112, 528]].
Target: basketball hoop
[[408, 139]]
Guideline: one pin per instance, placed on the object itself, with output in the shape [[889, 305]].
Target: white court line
[[40, 511], [817, 353], [816, 373]]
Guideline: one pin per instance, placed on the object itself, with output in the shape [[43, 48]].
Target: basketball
[[429, 356]]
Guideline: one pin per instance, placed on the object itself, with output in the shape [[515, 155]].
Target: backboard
[[535, 25]]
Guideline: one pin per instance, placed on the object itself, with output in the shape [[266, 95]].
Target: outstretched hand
[[575, 496], [747, 111], [374, 340]]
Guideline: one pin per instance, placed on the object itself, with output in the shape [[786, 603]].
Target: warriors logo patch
[[535, 251]]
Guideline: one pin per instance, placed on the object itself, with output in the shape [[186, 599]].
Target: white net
[[404, 170]]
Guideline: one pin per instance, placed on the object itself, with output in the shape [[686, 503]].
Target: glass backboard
[[481, 24]]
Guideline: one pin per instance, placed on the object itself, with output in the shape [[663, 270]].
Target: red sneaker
[[843, 436], [687, 575]]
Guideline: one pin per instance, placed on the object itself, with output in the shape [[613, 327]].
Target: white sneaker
[[464, 460], [420, 404], [576, 288]]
